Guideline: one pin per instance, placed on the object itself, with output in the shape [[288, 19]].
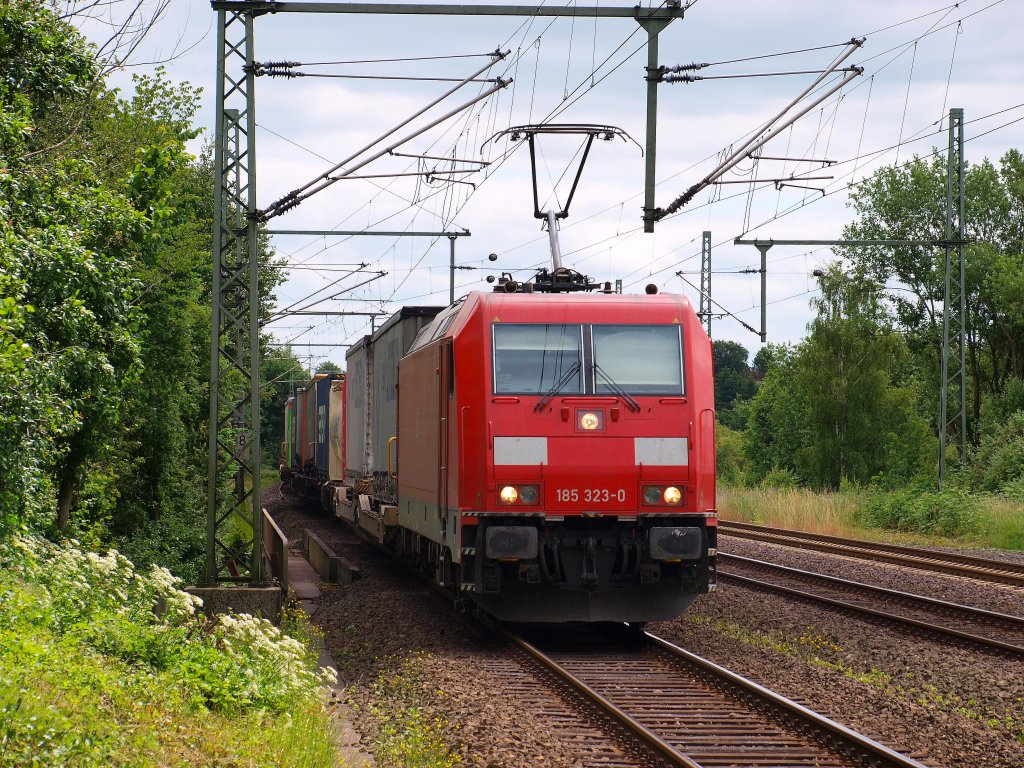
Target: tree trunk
[[67, 494]]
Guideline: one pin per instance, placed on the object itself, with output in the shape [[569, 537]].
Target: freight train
[[547, 455]]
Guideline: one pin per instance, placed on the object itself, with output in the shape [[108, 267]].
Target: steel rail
[[650, 739], [889, 758], [912, 557], [836, 737], [927, 627]]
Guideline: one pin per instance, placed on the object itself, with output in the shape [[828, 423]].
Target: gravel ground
[[947, 706]]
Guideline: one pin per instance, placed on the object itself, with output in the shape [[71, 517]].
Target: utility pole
[[953, 398], [953, 389], [234, 435], [705, 280]]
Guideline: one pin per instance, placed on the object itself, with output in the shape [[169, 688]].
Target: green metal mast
[[233, 478], [705, 280], [953, 399]]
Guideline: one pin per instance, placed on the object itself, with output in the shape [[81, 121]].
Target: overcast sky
[[920, 58]]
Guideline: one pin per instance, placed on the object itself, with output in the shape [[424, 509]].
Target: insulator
[[686, 67], [681, 78]]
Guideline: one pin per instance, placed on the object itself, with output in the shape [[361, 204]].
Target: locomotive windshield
[[536, 359], [641, 359], [532, 359]]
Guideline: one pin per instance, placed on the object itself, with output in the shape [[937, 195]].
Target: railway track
[[935, 618], [689, 712], [964, 566]]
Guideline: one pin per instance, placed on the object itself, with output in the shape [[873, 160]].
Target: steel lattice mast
[[705, 280], [953, 398], [233, 478]]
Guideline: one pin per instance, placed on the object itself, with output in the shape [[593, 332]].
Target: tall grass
[[834, 514], [1003, 524], [912, 517]]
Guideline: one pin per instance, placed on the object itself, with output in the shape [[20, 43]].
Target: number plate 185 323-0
[[590, 495]]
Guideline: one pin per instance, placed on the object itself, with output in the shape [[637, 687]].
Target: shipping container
[[323, 384], [289, 418], [298, 428], [358, 364], [336, 468], [390, 343], [309, 422]]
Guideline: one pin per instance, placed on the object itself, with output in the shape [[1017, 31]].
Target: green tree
[[776, 427], [997, 463], [328, 366], [857, 418], [68, 246], [909, 203], [161, 448], [730, 461], [767, 355], [734, 379]]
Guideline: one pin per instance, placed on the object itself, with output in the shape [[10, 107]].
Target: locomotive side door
[[446, 368], [447, 570]]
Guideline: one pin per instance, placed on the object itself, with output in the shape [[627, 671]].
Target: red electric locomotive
[[548, 455]]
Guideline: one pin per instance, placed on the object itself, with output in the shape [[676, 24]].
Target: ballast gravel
[[392, 637]]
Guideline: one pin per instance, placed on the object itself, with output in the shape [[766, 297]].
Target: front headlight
[[662, 495], [589, 421], [519, 495], [652, 495]]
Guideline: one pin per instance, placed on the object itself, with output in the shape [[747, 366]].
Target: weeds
[[409, 734], [813, 647]]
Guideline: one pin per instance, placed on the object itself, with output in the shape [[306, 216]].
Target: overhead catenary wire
[[926, 14], [519, 53], [320, 182], [390, 61], [858, 155], [867, 179], [769, 130], [412, 78], [795, 207]]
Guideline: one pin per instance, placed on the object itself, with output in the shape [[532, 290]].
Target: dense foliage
[[106, 228], [105, 273]]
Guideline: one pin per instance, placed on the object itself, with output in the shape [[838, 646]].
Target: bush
[[1013, 490], [234, 663], [950, 512], [998, 461], [780, 478]]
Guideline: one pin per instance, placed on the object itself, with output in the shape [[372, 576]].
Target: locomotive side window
[[641, 359], [531, 359]]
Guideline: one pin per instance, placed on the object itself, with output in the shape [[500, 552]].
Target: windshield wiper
[[559, 385], [616, 389]]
